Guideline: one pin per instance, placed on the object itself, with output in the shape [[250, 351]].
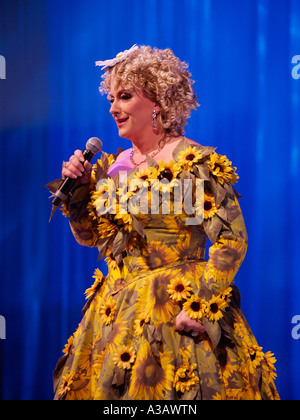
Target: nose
[[114, 108]]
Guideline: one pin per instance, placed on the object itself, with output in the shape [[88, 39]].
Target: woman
[[164, 323]]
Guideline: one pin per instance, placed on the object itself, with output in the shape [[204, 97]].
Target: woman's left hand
[[185, 323]]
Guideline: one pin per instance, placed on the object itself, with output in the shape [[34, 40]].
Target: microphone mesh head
[[94, 145]]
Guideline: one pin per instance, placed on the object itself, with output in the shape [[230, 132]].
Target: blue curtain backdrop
[[240, 54]]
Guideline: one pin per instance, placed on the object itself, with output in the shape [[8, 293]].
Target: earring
[[154, 120]]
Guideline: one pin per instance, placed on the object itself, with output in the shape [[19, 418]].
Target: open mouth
[[121, 121]]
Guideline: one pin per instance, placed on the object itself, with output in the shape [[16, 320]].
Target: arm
[[226, 255], [82, 224], [227, 252]]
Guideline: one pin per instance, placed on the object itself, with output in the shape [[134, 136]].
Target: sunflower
[[123, 219], [66, 385], [146, 175], [104, 198], [124, 357], [254, 354], [166, 176], [157, 255], [68, 346], [222, 168], [65, 210], [140, 322], [209, 205], [179, 289], [225, 257], [270, 364], [155, 299], [97, 363], [110, 261], [152, 377], [108, 310], [105, 228], [84, 355], [185, 376], [118, 334], [124, 192], [195, 308], [215, 307], [226, 294], [189, 157], [98, 276]]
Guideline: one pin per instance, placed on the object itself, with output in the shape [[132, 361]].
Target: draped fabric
[[243, 58]]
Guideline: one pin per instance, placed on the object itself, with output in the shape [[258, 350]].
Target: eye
[[126, 96]]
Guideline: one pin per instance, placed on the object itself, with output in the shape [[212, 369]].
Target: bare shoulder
[[193, 142]]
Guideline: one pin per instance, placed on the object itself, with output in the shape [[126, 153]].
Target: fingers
[[185, 323], [77, 167], [73, 168], [86, 175]]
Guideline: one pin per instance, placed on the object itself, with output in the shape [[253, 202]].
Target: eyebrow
[[119, 93]]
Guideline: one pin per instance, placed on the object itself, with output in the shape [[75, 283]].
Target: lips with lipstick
[[121, 121]]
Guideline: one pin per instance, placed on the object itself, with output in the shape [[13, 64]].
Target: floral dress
[[152, 226]]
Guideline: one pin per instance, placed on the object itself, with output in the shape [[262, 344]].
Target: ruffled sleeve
[[76, 209]]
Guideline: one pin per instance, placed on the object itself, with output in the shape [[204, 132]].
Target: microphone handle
[[66, 186]]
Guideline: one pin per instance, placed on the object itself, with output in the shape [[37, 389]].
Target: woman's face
[[132, 112]]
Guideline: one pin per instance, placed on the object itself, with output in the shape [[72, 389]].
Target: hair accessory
[[119, 57]]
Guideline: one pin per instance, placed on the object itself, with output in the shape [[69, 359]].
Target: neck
[[146, 145]]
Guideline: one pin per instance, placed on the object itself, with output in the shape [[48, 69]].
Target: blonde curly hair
[[162, 78]]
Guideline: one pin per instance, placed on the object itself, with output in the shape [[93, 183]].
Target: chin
[[125, 134]]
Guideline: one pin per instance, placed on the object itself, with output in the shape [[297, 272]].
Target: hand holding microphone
[[76, 170]]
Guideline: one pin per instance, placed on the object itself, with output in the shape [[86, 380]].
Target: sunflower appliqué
[[108, 311], [166, 175], [98, 276], [209, 206], [140, 322], [179, 289], [68, 346], [185, 377], [216, 306], [189, 157], [195, 307], [66, 385], [116, 227], [221, 168], [124, 357]]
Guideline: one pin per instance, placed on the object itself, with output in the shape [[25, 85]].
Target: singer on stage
[[165, 323]]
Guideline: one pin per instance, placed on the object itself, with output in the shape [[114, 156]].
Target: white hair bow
[[119, 57]]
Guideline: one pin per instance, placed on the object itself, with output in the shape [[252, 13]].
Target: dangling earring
[[154, 120]]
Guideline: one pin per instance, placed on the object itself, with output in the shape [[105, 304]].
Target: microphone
[[93, 146]]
